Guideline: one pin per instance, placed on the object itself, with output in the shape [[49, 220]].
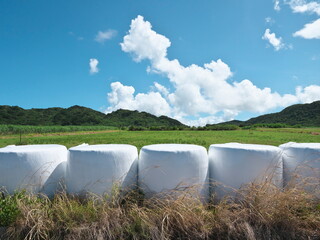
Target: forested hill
[[301, 114], [307, 115], [78, 115]]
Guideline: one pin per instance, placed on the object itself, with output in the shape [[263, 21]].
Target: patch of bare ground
[[7, 137]]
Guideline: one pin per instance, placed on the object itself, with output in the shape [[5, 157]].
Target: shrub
[[9, 208]]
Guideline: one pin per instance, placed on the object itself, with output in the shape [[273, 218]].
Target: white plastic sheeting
[[97, 168], [301, 161], [233, 165], [167, 167], [35, 168]]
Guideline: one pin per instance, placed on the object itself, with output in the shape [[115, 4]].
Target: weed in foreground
[[262, 212]]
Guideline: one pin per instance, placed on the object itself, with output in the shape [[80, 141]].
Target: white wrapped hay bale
[[233, 165], [97, 168], [168, 168], [301, 161], [35, 168]]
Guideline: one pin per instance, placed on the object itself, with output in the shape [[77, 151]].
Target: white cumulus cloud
[[204, 94], [273, 40], [310, 30], [308, 94], [143, 43], [103, 36], [93, 63], [123, 97]]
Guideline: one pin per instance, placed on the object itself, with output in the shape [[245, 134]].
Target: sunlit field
[[141, 138]]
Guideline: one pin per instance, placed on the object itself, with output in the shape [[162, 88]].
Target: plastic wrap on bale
[[301, 165], [34, 168], [98, 168], [171, 168], [233, 165]]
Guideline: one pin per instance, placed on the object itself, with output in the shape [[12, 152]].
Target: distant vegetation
[[217, 127], [24, 129], [76, 118], [270, 125], [307, 115], [81, 116], [304, 115]]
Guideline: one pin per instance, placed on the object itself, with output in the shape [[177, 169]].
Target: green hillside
[[81, 116], [306, 115], [134, 118]]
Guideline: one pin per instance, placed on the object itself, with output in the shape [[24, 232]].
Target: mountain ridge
[[307, 115], [78, 115]]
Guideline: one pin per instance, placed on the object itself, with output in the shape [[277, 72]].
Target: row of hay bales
[[157, 169]]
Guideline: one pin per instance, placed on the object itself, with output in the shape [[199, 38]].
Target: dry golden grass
[[261, 211]]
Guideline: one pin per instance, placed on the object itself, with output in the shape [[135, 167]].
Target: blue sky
[[197, 61]]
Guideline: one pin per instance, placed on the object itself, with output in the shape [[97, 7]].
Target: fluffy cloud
[[301, 6], [163, 90], [123, 97], [310, 30], [195, 91], [101, 37], [276, 5], [273, 40], [144, 42], [308, 94], [93, 63]]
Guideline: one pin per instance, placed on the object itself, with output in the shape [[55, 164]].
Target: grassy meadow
[[25, 129], [269, 136], [262, 212]]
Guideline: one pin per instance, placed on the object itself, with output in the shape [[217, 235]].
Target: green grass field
[[25, 129], [264, 212], [141, 138]]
